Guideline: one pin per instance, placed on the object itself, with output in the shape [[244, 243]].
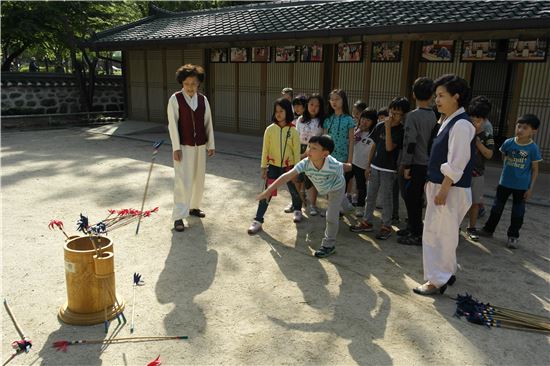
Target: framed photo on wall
[[478, 50], [531, 50], [438, 51], [239, 54], [218, 55], [389, 51], [311, 53], [285, 54], [261, 54], [349, 52]]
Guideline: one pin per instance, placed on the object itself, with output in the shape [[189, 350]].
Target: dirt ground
[[242, 300]]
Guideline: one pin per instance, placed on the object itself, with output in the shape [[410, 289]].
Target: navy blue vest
[[440, 150]]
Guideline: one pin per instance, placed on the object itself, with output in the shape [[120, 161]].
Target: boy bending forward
[[327, 175]]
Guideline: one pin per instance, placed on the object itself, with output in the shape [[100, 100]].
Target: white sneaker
[[313, 211], [297, 216], [513, 243], [255, 227]]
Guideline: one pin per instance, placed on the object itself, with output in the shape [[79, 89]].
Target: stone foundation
[[41, 93]]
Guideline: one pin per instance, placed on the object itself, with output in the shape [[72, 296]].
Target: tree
[[71, 24], [21, 28]]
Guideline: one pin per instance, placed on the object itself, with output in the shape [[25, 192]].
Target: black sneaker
[[410, 240], [323, 252], [403, 232], [483, 232], [472, 233], [178, 225]]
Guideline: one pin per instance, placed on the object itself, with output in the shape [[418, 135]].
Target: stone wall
[[42, 93]]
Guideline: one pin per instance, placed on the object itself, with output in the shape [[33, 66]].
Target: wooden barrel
[[90, 282]]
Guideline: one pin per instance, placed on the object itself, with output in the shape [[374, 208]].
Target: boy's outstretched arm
[[280, 181]]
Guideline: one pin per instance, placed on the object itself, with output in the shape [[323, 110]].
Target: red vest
[[191, 130]]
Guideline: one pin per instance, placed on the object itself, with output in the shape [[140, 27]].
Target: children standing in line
[[339, 125], [358, 107], [419, 125], [478, 110], [298, 107], [308, 125], [361, 154], [382, 168], [280, 152], [383, 114], [488, 128], [520, 171], [192, 136], [288, 94], [327, 175]]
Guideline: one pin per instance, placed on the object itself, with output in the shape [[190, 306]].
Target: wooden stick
[[15, 323], [113, 296], [12, 356], [133, 309], [146, 188]]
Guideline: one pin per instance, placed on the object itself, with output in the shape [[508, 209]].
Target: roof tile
[[260, 20]]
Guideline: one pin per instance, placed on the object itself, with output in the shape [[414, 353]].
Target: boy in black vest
[[192, 136]]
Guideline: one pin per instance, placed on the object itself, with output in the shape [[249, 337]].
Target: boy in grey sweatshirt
[[419, 125]]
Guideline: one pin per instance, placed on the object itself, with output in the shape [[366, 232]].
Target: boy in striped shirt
[[327, 175]]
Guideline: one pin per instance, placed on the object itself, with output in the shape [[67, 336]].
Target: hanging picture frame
[[218, 55], [239, 55], [349, 52], [478, 50], [311, 53], [437, 51], [527, 51], [260, 54], [285, 54], [386, 51]]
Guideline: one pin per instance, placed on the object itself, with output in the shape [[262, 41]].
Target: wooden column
[[367, 73]]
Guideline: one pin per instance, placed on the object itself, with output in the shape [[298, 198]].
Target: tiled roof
[[330, 18]]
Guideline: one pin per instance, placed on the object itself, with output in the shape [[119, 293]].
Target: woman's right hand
[[177, 155], [367, 173], [264, 173]]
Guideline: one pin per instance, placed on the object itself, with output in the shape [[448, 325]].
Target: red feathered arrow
[[155, 362]]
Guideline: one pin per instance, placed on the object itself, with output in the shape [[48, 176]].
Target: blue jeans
[[518, 210], [274, 172]]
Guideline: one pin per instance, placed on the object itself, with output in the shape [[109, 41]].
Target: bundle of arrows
[[64, 344], [496, 316], [115, 220]]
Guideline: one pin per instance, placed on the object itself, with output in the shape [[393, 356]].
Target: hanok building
[[374, 50]]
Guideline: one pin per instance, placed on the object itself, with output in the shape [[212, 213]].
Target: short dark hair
[[321, 115], [455, 85], [188, 70], [479, 106], [383, 112], [345, 106], [369, 113], [423, 88], [301, 99], [326, 142], [400, 103], [285, 104], [531, 120], [361, 105]]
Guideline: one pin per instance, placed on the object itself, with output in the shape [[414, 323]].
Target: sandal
[[178, 225]]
